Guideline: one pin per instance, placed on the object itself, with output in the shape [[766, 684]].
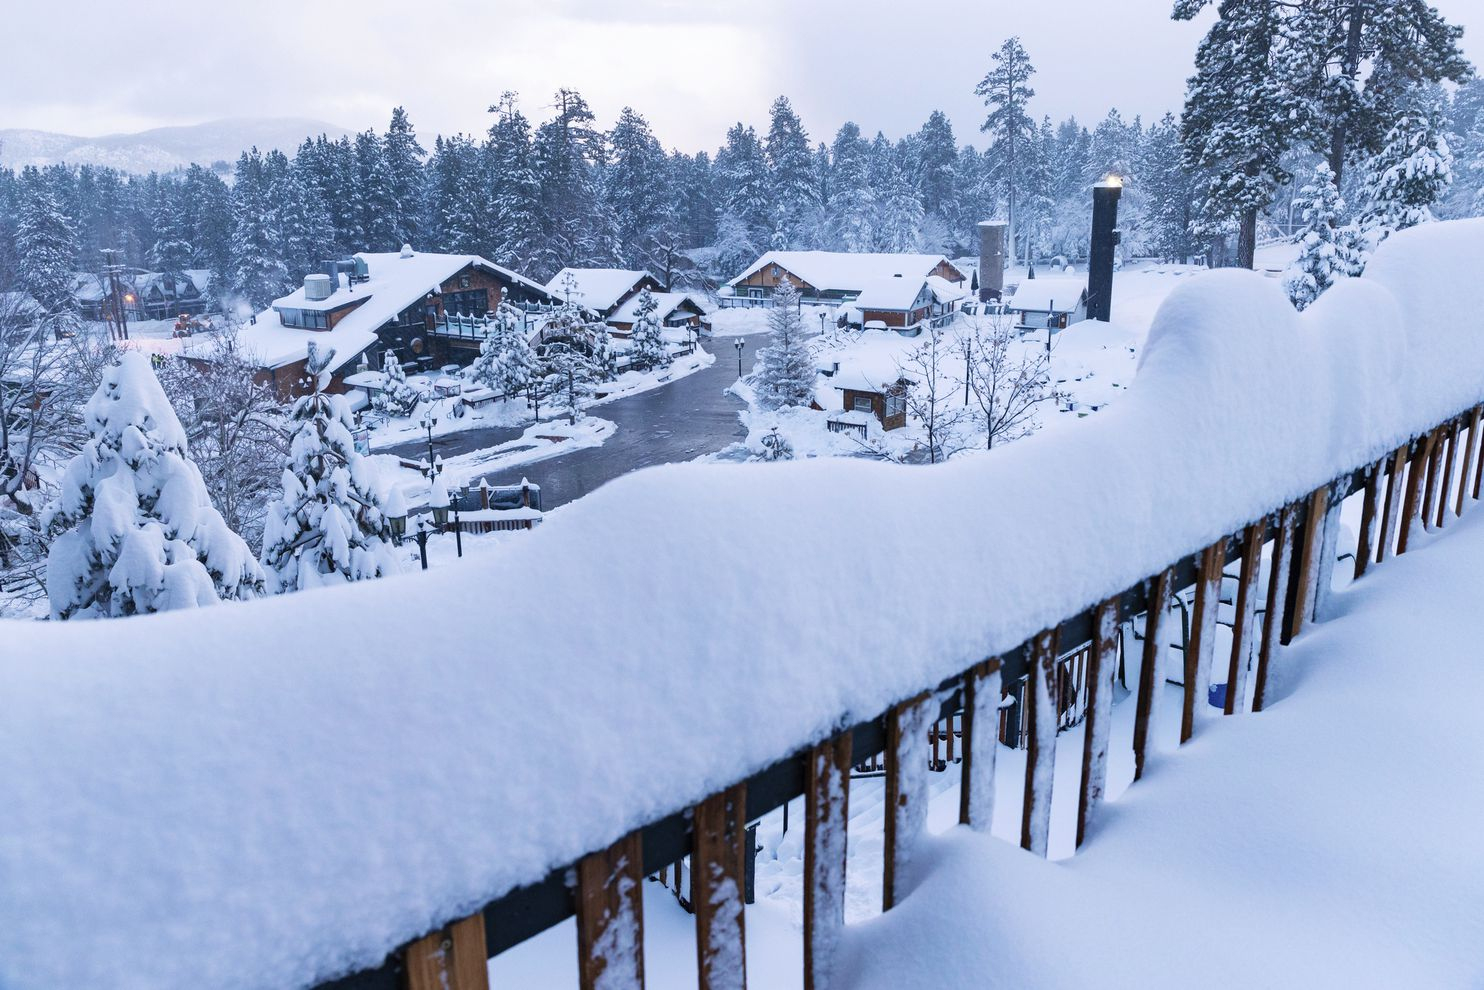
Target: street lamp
[[438, 500], [422, 539], [427, 423], [822, 316], [738, 344]]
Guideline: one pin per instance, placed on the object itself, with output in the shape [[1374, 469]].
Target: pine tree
[[852, 205], [743, 173], [786, 374], [378, 212], [136, 530], [791, 167], [1170, 192], [1324, 255], [1412, 172], [402, 157], [649, 349], [937, 158], [171, 252], [635, 184], [1006, 92], [258, 274], [304, 226], [45, 242], [1354, 62], [506, 362], [1238, 114], [566, 152], [329, 526], [516, 234]]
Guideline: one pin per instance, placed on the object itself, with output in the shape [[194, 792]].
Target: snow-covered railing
[[278, 793]]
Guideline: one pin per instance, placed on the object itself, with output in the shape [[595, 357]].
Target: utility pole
[[112, 270]]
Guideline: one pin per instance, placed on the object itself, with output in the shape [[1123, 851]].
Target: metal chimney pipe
[[992, 259], [1100, 254]]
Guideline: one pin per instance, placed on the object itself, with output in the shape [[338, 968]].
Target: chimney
[[1100, 254], [992, 260]]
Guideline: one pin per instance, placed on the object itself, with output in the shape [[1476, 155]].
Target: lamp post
[[427, 423], [738, 344], [422, 539], [439, 501]]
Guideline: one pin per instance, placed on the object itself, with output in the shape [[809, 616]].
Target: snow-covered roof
[[597, 289], [1039, 295], [845, 271], [19, 303], [394, 282], [945, 291], [893, 293], [665, 303]]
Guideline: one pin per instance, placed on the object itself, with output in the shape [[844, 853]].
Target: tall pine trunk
[[1350, 70], [1247, 239]]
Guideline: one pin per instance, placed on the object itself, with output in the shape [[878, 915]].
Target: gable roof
[[1037, 295], [598, 289], [893, 293], [665, 303], [393, 284], [843, 270]]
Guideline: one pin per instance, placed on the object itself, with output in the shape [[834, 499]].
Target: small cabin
[[1048, 303], [887, 404], [830, 277]]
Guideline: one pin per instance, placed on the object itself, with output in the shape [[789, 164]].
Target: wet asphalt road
[[676, 422]]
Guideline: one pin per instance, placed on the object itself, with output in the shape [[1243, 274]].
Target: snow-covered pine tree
[[136, 530], [379, 213], [517, 235], [1239, 111], [1324, 251], [46, 248], [649, 349], [403, 159], [328, 527], [785, 375], [742, 171], [506, 361], [396, 398], [1412, 172], [258, 274], [1006, 92], [852, 205], [791, 164], [171, 252]]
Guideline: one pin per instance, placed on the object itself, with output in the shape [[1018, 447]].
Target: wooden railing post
[[1416, 469], [1273, 617], [1304, 578], [907, 728], [1202, 646], [981, 724], [718, 881], [1102, 667], [1470, 451], [1040, 754], [1244, 634], [1365, 545], [1437, 441], [826, 807], [1395, 485], [610, 917], [452, 958], [1151, 671], [1445, 491]]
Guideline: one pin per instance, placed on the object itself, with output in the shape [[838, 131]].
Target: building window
[[463, 281], [306, 319], [862, 403], [896, 405], [471, 302]]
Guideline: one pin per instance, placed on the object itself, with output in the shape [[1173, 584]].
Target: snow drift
[[267, 794]]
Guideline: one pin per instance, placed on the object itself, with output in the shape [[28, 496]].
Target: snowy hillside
[[161, 149]]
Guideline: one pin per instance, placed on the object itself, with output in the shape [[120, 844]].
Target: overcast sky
[[692, 68]]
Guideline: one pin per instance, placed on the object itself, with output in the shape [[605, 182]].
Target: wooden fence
[[1419, 483]]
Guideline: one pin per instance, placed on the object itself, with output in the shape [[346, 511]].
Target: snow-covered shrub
[[329, 525], [397, 397], [1412, 172], [137, 532]]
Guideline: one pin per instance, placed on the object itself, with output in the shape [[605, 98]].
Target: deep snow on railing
[[281, 792]]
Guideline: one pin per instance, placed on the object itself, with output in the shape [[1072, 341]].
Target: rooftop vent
[[317, 287]]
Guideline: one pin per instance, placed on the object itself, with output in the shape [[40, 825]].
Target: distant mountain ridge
[[162, 148]]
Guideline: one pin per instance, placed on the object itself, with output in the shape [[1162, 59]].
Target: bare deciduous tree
[[930, 387], [1004, 385]]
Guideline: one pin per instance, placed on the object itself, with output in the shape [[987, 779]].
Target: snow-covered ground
[[738, 321]]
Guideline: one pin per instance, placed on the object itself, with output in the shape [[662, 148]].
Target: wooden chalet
[[832, 276], [612, 295], [427, 309], [1048, 303]]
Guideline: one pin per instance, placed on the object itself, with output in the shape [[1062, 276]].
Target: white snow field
[[272, 793]]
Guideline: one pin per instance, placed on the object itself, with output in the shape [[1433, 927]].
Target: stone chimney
[[992, 259]]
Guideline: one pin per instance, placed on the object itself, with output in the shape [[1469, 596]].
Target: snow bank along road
[[271, 794]]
